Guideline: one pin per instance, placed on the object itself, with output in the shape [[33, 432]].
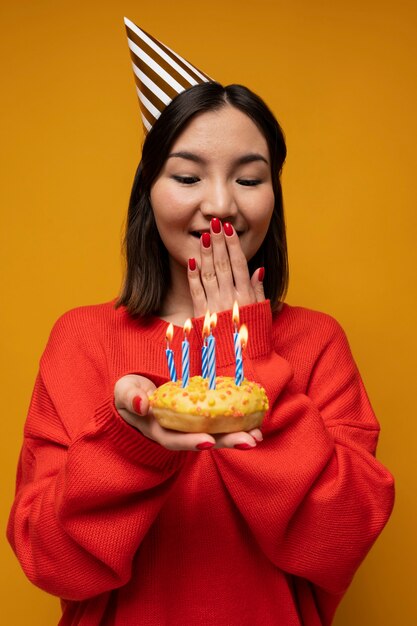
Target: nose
[[218, 201]]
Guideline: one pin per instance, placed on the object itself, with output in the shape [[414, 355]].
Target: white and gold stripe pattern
[[160, 73]]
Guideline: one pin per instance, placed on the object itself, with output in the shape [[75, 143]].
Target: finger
[[239, 266], [257, 284], [169, 439], [207, 271], [135, 401], [256, 433], [175, 440], [131, 393], [231, 440], [222, 264], [134, 420], [198, 295]]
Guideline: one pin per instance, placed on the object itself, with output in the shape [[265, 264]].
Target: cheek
[[260, 212], [170, 203], [258, 218]]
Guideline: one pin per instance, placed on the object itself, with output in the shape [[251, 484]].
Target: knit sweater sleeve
[[312, 492], [89, 485]]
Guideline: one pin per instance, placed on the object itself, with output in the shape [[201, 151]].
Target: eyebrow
[[251, 157]]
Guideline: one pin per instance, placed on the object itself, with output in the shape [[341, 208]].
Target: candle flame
[[170, 332], [187, 327], [235, 313], [213, 321], [206, 325], [243, 336]]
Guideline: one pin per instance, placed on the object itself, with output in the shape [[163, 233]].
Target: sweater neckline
[[156, 326]]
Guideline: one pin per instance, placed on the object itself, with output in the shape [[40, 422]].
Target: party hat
[[160, 73]]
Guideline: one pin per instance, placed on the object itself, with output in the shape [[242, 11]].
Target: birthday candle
[[238, 348], [186, 354], [243, 340], [211, 347], [204, 360], [239, 360], [204, 350], [170, 354]]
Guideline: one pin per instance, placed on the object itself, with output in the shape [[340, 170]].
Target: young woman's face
[[218, 167]]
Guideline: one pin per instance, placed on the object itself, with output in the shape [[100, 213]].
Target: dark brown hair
[[147, 278]]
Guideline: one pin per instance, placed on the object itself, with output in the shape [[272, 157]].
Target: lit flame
[[170, 332], [235, 314], [243, 336], [206, 325], [213, 321], [187, 327]]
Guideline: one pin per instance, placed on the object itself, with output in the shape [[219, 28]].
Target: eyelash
[[251, 182], [190, 180], [186, 180]]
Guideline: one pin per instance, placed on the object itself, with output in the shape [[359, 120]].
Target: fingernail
[[136, 402], [192, 264], [206, 445], [228, 229], [216, 226], [205, 238], [258, 439], [243, 446], [261, 274]]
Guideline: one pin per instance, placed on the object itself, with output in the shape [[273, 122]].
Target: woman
[[132, 524], [180, 198]]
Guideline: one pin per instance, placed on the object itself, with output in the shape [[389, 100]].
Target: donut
[[197, 409]]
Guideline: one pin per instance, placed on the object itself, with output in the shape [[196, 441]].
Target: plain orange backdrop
[[341, 78]]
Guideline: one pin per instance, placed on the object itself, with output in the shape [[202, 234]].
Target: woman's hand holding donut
[[131, 399], [223, 276]]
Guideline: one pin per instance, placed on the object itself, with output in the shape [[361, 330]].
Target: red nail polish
[[206, 445], [205, 237], [192, 264], [261, 274], [228, 229], [216, 226], [136, 402], [243, 446]]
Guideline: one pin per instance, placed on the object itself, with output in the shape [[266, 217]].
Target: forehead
[[222, 130]]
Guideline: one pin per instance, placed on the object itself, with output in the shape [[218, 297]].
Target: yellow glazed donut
[[197, 409]]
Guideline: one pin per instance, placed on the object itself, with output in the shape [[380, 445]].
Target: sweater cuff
[[132, 443]]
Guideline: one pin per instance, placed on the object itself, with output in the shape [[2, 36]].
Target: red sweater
[[128, 533]]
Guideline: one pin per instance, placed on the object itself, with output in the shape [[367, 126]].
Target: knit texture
[[128, 533]]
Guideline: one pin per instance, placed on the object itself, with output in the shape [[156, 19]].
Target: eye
[[186, 180], [249, 182]]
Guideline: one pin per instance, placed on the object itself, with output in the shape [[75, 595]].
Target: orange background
[[341, 78]]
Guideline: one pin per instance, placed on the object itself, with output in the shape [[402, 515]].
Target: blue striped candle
[[204, 360], [243, 342], [170, 354], [171, 365], [239, 360], [211, 357], [237, 345], [204, 349], [186, 354], [185, 362], [211, 352]]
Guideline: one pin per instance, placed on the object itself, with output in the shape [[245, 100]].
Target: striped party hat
[[160, 73]]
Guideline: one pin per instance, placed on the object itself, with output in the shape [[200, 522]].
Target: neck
[[177, 305]]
